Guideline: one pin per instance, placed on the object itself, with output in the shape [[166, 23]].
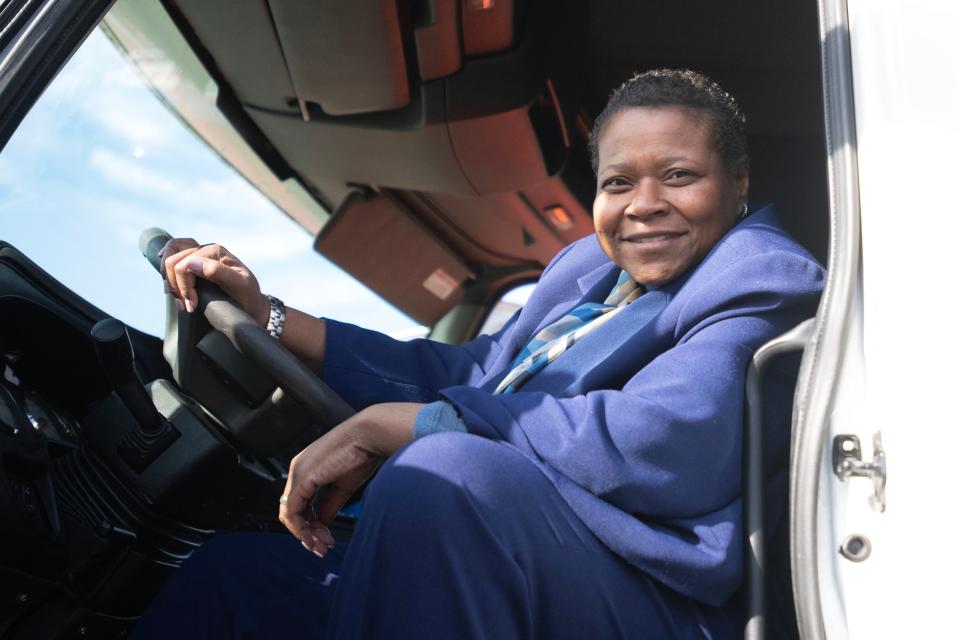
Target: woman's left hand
[[342, 460]]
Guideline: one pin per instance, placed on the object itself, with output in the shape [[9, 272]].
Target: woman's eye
[[680, 176], [615, 183]]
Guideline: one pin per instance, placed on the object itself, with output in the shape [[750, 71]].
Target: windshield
[[100, 158]]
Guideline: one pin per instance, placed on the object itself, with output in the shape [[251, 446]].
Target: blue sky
[[99, 159]]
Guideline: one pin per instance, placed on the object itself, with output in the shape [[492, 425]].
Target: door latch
[[848, 463]]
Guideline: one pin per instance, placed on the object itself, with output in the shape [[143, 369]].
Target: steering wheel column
[[213, 445]]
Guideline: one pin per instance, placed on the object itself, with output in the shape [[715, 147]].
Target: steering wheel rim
[[250, 339]]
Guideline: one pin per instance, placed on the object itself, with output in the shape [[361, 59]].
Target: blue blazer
[[639, 424]]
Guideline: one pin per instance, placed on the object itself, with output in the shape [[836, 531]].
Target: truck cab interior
[[442, 146]]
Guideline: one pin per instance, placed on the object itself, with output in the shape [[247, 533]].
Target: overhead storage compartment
[[477, 156], [241, 44], [346, 57]]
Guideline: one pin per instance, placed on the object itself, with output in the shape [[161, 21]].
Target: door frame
[[37, 37], [820, 368]]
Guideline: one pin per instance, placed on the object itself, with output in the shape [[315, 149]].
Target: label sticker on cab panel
[[441, 284]]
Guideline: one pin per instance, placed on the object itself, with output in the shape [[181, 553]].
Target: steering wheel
[[225, 315]]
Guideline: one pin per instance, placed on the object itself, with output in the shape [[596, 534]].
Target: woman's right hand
[[183, 261]]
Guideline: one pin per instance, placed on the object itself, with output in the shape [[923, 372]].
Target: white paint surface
[[904, 382]]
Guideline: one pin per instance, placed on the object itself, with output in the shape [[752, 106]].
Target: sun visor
[[346, 57], [377, 241]]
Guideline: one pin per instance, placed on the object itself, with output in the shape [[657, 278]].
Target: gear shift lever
[[152, 434], [115, 352]]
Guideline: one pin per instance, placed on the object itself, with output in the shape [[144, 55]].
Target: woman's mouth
[[653, 238]]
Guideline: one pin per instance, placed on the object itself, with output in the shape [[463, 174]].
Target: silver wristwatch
[[278, 315]]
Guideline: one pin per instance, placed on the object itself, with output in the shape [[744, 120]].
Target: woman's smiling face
[[664, 196]]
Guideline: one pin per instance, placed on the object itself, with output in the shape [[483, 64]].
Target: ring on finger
[[283, 499]]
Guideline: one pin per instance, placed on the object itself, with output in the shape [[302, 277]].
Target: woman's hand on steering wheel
[[183, 261], [341, 461]]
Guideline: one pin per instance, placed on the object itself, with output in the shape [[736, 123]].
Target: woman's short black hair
[[687, 89]]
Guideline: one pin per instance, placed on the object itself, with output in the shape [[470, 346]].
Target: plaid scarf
[[554, 339]]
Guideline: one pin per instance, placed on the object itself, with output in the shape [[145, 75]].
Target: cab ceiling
[[474, 120]]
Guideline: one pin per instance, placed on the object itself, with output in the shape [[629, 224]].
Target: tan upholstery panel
[[392, 253]]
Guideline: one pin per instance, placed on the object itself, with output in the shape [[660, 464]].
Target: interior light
[[480, 4], [558, 217]]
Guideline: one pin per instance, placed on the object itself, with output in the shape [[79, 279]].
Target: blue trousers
[[461, 537]]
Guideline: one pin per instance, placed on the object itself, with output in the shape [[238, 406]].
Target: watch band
[[278, 315]]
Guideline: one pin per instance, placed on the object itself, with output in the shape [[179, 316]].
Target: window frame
[[35, 43]]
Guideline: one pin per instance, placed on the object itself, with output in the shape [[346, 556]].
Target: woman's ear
[[742, 178]]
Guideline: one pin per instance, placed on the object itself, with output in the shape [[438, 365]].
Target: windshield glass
[[100, 158]]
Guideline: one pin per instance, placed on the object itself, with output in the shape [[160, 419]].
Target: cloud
[[138, 127], [101, 86], [233, 213], [326, 291], [258, 244], [126, 172], [321, 289], [228, 211]]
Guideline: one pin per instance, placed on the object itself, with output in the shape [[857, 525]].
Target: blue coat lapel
[[594, 287], [599, 282], [582, 365], [575, 368]]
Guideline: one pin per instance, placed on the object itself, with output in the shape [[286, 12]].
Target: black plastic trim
[[13, 16], [39, 49]]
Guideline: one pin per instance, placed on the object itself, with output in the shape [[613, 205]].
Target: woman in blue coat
[[576, 474]]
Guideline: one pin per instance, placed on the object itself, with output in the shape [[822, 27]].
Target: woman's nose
[[647, 200]]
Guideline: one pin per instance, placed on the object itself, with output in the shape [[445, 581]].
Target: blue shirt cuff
[[437, 417]]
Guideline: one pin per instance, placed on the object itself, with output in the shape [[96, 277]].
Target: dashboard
[[32, 427], [86, 539], [20, 409]]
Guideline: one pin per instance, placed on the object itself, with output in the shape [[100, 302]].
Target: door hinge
[[848, 463]]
